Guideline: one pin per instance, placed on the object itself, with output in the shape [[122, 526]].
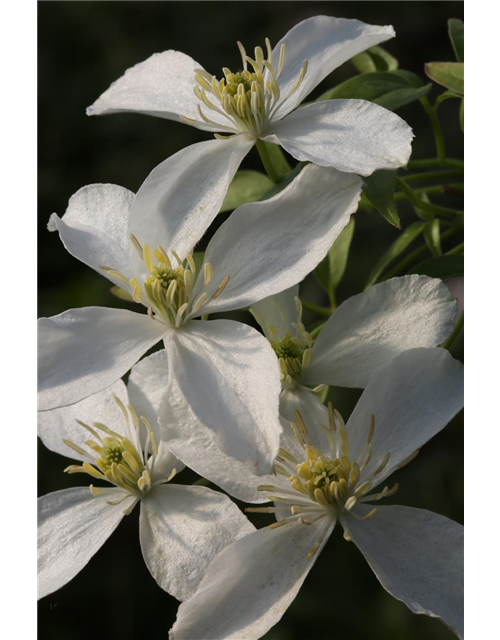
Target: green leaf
[[374, 59], [121, 293], [389, 89], [446, 95], [462, 116], [379, 189], [331, 269], [456, 33], [397, 247], [441, 267], [247, 186], [447, 74], [433, 236]]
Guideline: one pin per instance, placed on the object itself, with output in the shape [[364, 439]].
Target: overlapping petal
[[72, 526], [266, 247], [351, 135], [370, 329], [249, 586], [277, 311], [182, 529], [418, 556], [83, 351]]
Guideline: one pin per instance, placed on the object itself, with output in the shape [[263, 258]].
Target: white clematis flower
[[259, 102], [226, 369], [324, 475], [361, 336], [181, 527]]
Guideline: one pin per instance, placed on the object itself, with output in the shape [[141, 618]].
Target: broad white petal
[[229, 374], [72, 526], [418, 556], [412, 399], [266, 247], [181, 197], [182, 529], [94, 227], [278, 311], [101, 407], [82, 351], [351, 135], [162, 86], [325, 43], [370, 329], [249, 586]]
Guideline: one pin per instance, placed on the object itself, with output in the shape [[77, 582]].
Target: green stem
[[456, 250], [423, 205], [314, 332], [436, 127], [433, 175], [266, 161], [434, 162], [322, 311], [458, 326]]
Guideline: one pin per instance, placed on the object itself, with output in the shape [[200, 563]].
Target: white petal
[[351, 135], [250, 585], [370, 329], [182, 529], [266, 247], [325, 43], [94, 227], [197, 446], [229, 374], [181, 197], [412, 399], [82, 351], [418, 556], [162, 86], [101, 407], [72, 526], [278, 311]]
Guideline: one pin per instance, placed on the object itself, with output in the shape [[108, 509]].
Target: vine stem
[[436, 127], [322, 311], [266, 161], [422, 204]]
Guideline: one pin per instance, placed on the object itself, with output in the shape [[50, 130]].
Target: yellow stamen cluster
[[168, 290], [246, 99], [115, 459]]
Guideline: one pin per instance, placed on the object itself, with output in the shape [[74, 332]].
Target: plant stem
[[266, 161], [436, 127], [434, 162], [322, 311], [458, 325], [456, 250], [432, 175], [423, 205]]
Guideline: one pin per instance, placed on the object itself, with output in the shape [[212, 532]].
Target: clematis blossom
[[181, 527], [226, 369], [360, 337], [326, 474], [259, 102]]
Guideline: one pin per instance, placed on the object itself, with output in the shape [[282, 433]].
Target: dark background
[[83, 47]]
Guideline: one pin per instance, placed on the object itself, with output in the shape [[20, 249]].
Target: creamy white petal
[[266, 247], [72, 526], [418, 556], [83, 351], [326, 43], [249, 586], [412, 399], [278, 311], [351, 135], [162, 86], [370, 329], [94, 227], [181, 197], [311, 409], [182, 529], [229, 374], [101, 407]]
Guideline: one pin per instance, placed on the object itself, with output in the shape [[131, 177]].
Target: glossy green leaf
[[374, 59], [456, 33], [121, 293], [331, 269], [389, 89], [379, 189], [447, 74], [441, 267], [247, 186], [397, 247]]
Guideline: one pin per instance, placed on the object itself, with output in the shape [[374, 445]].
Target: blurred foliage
[[83, 47]]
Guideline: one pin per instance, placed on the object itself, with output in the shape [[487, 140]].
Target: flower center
[[115, 459], [290, 352], [168, 290], [247, 99]]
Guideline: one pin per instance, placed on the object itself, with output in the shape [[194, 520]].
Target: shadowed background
[[83, 47]]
